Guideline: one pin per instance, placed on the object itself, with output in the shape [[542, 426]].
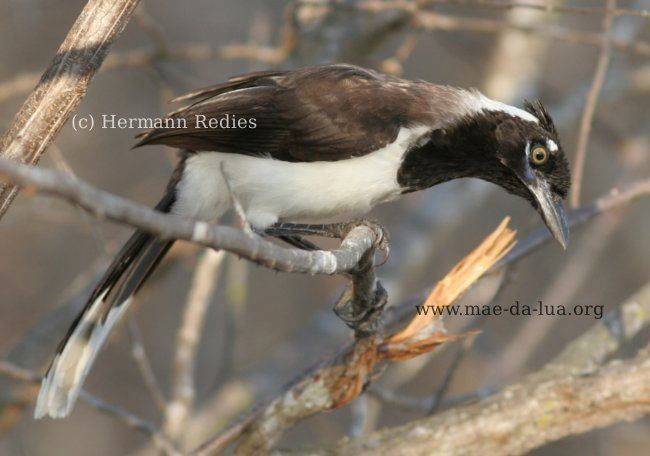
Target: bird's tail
[[110, 299]]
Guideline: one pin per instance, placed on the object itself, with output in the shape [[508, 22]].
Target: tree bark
[[522, 418], [63, 85]]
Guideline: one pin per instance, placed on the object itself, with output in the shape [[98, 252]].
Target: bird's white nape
[[484, 103]]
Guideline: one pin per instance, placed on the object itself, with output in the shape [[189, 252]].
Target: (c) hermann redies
[[328, 140]]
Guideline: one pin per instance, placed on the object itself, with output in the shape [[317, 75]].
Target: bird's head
[[517, 149], [535, 166]]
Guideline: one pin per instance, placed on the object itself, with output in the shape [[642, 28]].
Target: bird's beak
[[551, 209]]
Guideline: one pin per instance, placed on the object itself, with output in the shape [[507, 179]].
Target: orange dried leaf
[[401, 352], [460, 278]]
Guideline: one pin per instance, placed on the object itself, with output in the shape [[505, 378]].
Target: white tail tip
[[62, 384]]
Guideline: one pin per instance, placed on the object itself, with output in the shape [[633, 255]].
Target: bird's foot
[[363, 322], [289, 230], [382, 236]]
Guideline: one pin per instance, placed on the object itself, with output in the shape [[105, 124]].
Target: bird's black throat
[[466, 149]]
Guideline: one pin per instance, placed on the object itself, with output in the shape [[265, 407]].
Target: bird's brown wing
[[324, 113], [236, 82]]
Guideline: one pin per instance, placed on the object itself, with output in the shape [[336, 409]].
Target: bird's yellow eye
[[539, 155]]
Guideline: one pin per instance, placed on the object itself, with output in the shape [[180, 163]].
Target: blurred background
[[264, 328]]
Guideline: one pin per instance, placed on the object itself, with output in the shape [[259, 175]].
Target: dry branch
[[524, 417], [63, 84], [339, 381]]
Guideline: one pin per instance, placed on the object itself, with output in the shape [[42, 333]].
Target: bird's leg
[[331, 230], [298, 242], [292, 234], [290, 238], [363, 301], [323, 230]]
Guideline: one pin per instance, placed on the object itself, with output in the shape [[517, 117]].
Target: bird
[[310, 143]]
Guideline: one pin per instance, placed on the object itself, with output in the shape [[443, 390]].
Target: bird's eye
[[539, 155]]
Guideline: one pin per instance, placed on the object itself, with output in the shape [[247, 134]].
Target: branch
[[616, 198], [388, 5], [139, 354], [434, 21], [570, 395], [131, 420], [602, 340], [63, 84], [613, 200], [587, 119], [524, 417], [189, 334], [169, 226]]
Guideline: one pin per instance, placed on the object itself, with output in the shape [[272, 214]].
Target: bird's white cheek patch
[[552, 145]]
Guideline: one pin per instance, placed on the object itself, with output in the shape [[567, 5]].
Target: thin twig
[[100, 241], [152, 29], [387, 5], [563, 288], [442, 389], [144, 365], [442, 22], [596, 345], [424, 404], [131, 420], [587, 119], [199, 297]]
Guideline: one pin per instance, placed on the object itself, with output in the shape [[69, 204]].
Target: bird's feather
[[324, 113], [110, 299]]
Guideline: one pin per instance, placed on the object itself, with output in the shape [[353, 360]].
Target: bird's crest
[[537, 109]]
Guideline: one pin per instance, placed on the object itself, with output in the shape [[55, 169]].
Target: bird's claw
[[382, 236], [367, 320]]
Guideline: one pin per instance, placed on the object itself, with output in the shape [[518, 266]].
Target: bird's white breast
[[270, 190]]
